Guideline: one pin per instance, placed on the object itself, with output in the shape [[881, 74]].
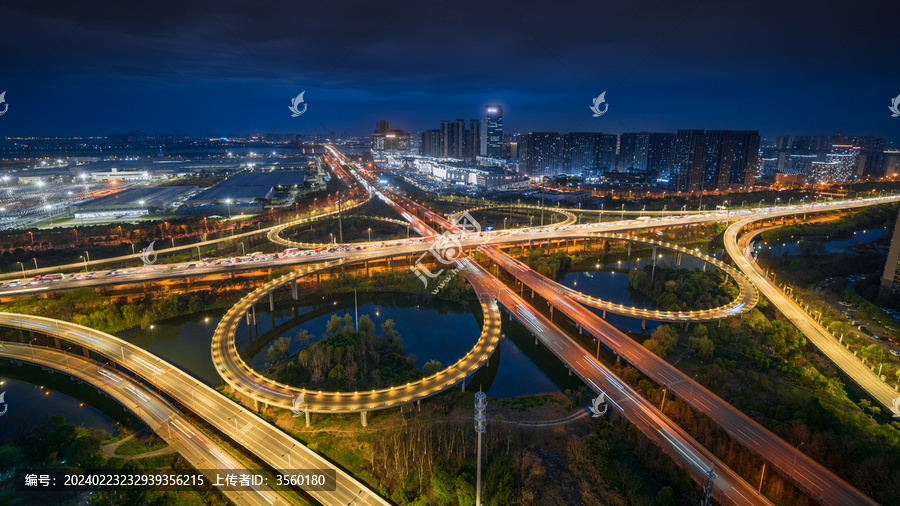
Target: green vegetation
[[85, 306], [551, 265], [766, 369], [355, 229], [138, 445], [63, 446], [673, 289], [455, 289], [880, 216], [346, 359]]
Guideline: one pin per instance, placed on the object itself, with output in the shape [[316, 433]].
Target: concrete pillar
[[367, 268], [307, 418], [86, 352], [56, 343], [704, 266], [643, 325], [294, 291], [570, 370], [254, 316], [653, 271], [462, 385], [419, 404], [318, 281], [255, 405], [272, 301], [678, 259], [363, 418], [567, 245], [604, 314]]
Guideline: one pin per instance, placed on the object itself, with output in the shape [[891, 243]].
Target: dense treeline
[[766, 369], [673, 289], [880, 216], [85, 306], [346, 359]]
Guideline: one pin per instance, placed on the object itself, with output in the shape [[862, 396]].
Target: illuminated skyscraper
[[491, 131]]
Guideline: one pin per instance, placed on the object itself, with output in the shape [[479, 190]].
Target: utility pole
[[480, 428]]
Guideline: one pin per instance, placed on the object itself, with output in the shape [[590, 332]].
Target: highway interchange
[[266, 441]]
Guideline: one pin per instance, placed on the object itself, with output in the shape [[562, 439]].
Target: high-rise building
[[634, 149], [581, 150], [890, 280], [431, 143], [473, 139], [491, 131], [384, 138], [659, 154], [687, 164], [540, 154], [846, 162], [606, 152], [745, 158], [718, 149]]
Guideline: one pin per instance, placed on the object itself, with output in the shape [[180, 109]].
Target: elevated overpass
[[737, 243], [154, 411], [268, 443]]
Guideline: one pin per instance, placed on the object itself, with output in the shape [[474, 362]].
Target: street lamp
[[85, 263], [370, 234], [355, 305], [228, 202], [480, 428], [796, 452], [23, 270]]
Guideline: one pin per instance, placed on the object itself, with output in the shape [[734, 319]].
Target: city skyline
[[664, 67]]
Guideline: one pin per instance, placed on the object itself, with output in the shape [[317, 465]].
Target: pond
[[28, 406]]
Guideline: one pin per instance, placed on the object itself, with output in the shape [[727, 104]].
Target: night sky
[[231, 68]]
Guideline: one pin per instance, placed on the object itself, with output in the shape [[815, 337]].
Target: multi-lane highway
[[164, 419], [818, 482], [268, 443], [738, 247]]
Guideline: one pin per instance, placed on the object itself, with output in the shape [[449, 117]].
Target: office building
[[491, 143], [386, 138]]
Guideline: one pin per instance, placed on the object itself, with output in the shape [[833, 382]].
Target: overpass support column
[[704, 266], [367, 268], [247, 314], [255, 405], [254, 316], [272, 302], [307, 418], [391, 262], [363, 418], [56, 342], [294, 289], [318, 281], [567, 245], [462, 385], [604, 314], [85, 352], [643, 326], [653, 271], [678, 260]]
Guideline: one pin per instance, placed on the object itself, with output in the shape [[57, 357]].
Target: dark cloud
[[231, 67]]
